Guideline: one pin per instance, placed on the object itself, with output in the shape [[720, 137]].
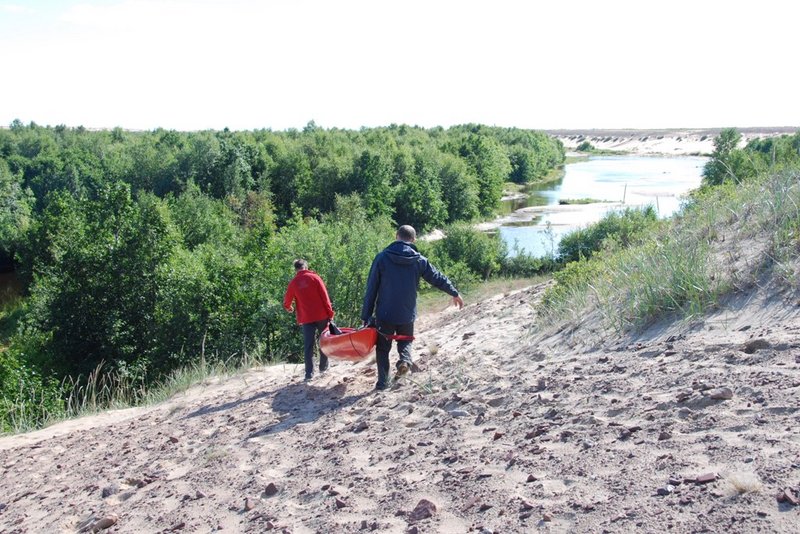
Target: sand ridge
[[669, 142]]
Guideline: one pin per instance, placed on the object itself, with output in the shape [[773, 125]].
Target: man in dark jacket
[[392, 294], [314, 311]]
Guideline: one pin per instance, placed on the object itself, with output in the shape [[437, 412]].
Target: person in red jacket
[[308, 296]]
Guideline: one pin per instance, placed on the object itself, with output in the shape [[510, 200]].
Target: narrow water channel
[[536, 223]]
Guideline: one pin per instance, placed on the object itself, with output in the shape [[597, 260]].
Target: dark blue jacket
[[393, 282]]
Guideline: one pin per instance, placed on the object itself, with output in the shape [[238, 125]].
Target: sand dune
[[676, 142], [687, 428]]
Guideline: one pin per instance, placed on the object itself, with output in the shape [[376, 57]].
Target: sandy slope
[[497, 431]]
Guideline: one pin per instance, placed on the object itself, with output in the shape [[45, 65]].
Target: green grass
[[575, 159], [684, 266], [111, 391]]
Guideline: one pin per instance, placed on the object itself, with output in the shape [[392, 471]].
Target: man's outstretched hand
[[458, 302]]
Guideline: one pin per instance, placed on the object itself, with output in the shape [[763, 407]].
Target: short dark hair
[[407, 233], [300, 264]]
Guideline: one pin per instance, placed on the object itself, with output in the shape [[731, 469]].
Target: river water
[[537, 222]]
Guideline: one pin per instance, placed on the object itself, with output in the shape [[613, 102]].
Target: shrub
[[27, 400], [571, 281], [624, 228], [482, 253], [525, 265]]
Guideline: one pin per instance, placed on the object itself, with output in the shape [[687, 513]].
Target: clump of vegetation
[[731, 164], [618, 228], [585, 146], [743, 483], [578, 201]]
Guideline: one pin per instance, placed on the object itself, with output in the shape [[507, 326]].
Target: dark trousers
[[385, 345], [309, 342]]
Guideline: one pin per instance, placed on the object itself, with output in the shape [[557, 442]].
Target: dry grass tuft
[[741, 483]]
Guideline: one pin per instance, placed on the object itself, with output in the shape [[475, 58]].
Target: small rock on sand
[[423, 510], [705, 478], [361, 426], [787, 496], [106, 522], [720, 394], [755, 344], [108, 491], [666, 490]]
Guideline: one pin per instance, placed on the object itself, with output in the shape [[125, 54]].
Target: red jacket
[[311, 297]]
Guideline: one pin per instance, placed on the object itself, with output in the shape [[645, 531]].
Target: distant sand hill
[[679, 142]]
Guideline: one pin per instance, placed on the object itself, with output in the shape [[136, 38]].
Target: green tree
[[16, 206], [491, 165], [291, 178], [459, 189], [480, 252], [373, 177], [202, 219], [726, 160], [95, 291], [419, 196]]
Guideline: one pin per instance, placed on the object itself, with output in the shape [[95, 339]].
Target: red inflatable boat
[[352, 344]]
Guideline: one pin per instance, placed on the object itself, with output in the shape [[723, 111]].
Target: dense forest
[[142, 252]]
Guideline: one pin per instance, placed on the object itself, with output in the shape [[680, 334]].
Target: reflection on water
[[633, 180], [536, 195]]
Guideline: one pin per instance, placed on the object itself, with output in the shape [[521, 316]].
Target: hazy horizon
[[245, 65]]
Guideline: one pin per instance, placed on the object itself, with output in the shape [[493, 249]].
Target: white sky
[[245, 64]]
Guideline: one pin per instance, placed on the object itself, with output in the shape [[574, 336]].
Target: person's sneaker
[[308, 378], [403, 368], [381, 387]]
